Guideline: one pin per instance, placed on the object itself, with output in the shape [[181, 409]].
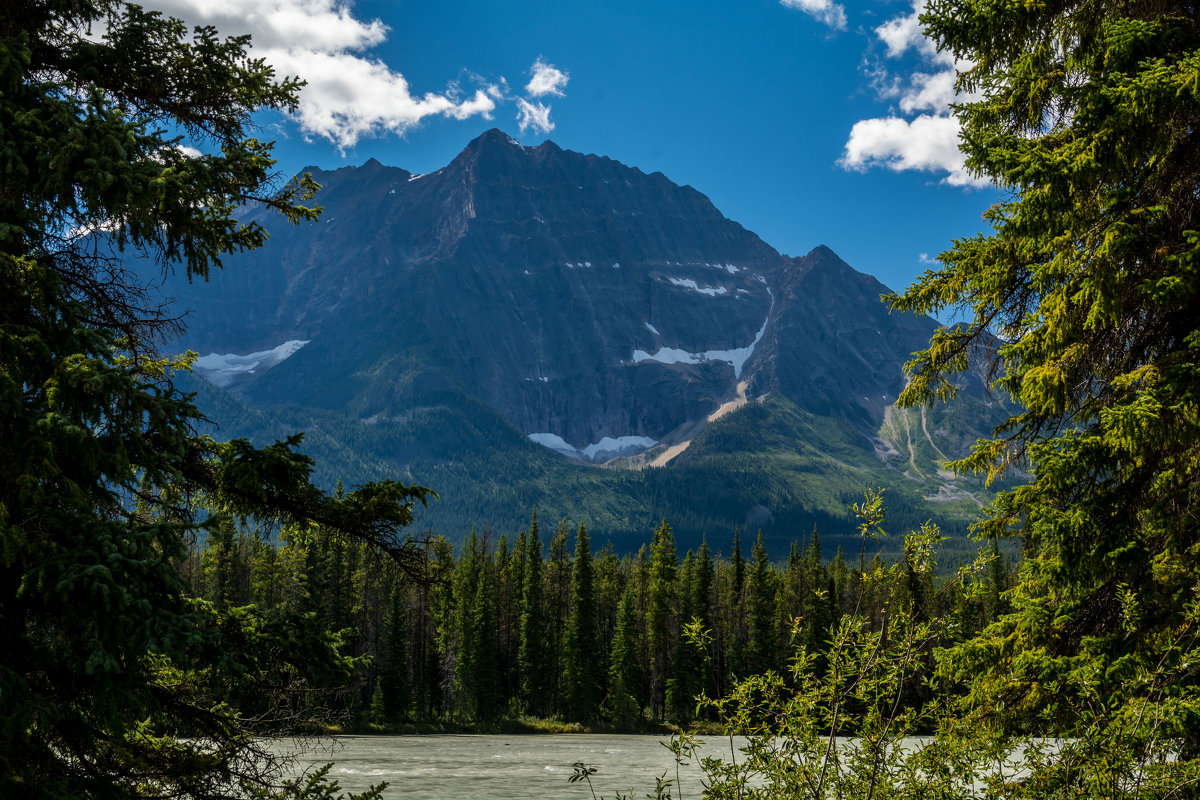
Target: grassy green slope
[[768, 466]]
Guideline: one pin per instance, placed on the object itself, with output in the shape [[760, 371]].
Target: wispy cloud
[[533, 116], [547, 79], [350, 93], [921, 131], [826, 11]]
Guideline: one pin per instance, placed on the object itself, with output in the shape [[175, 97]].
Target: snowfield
[[222, 368], [688, 283], [606, 449], [737, 357]]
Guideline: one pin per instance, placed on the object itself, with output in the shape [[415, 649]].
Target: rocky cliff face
[[584, 300], [600, 311]]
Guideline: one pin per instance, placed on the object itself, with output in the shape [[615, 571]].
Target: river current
[[499, 767]]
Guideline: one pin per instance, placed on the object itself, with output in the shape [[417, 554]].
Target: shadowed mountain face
[[597, 310]]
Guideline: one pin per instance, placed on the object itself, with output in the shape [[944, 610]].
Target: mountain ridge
[[594, 309]]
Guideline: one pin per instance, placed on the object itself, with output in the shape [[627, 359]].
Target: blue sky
[[808, 121]]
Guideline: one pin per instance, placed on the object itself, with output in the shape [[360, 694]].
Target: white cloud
[[547, 79], [903, 33], [350, 94], [929, 91], [928, 143], [826, 11], [924, 135], [533, 115]]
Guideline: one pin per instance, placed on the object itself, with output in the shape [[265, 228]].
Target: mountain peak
[[492, 152], [492, 136]]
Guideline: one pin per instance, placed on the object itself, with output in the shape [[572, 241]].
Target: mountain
[[500, 328]]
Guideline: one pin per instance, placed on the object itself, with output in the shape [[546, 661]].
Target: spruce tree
[[106, 662], [1084, 297], [532, 655], [819, 608], [662, 615], [556, 594], [507, 612], [582, 667], [762, 642], [792, 588], [462, 640], [684, 683], [395, 656], [486, 698], [624, 672], [702, 587], [734, 600]]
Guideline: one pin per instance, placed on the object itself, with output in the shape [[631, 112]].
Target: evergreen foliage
[[623, 669], [1086, 293], [451, 619], [533, 655], [111, 677], [761, 614], [583, 678], [662, 617]]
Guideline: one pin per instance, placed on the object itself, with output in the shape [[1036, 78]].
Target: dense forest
[[545, 626]]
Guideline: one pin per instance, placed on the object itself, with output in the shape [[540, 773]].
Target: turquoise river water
[[498, 767]]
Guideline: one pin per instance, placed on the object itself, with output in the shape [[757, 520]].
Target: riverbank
[[517, 726]]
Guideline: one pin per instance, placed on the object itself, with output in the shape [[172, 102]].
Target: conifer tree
[[624, 672], [819, 607], [507, 612], [432, 612], [762, 643], [1085, 294], [611, 575], [532, 655], [486, 699], [394, 671], [461, 641], [735, 612], [378, 707], [739, 563], [793, 586], [582, 667], [106, 478], [685, 683], [703, 583], [662, 614], [556, 594]]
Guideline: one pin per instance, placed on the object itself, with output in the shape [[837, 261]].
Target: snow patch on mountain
[[737, 357], [223, 368], [606, 449], [688, 283]]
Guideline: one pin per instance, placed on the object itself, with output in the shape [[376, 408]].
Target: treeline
[[547, 627]]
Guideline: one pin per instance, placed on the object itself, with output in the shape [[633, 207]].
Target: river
[[500, 767]]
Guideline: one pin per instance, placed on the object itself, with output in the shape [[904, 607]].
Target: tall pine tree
[[582, 667]]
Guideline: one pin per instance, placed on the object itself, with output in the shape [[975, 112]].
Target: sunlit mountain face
[[554, 312]]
